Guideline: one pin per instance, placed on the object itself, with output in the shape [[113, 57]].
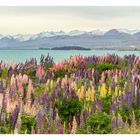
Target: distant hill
[[70, 48], [113, 39]]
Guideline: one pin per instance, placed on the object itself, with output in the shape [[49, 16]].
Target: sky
[[32, 20]]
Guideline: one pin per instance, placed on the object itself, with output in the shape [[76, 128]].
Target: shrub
[[90, 66], [5, 128], [59, 73], [31, 74], [4, 73], [100, 123], [69, 108], [104, 67], [106, 103], [28, 122]]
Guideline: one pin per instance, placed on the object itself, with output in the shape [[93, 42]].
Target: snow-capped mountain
[[21, 37], [76, 33], [1, 36], [128, 31], [114, 38]]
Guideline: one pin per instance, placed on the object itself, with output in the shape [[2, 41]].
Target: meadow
[[80, 95]]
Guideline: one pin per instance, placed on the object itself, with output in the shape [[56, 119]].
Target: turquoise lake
[[23, 55]]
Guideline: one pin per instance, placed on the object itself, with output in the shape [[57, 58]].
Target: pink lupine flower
[[2, 65], [30, 89], [1, 99], [20, 88], [25, 79], [40, 72], [13, 80]]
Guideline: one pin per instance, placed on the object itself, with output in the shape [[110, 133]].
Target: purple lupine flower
[[125, 96], [60, 130], [19, 123], [54, 113], [137, 98], [132, 89], [78, 118], [38, 98], [130, 102], [121, 103], [44, 100], [114, 122], [1, 87], [49, 129], [48, 104], [92, 108], [81, 121], [40, 119], [14, 117], [99, 106], [112, 108], [120, 122], [32, 99], [33, 131], [11, 92], [57, 122], [85, 114]]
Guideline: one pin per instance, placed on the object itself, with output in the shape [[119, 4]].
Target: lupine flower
[[99, 106], [40, 119], [74, 126], [109, 91], [137, 98], [30, 89], [129, 102], [81, 93], [116, 91], [60, 130], [18, 125], [81, 121], [25, 79], [1, 99], [39, 72], [1, 87], [103, 91], [113, 122], [119, 122], [13, 118]]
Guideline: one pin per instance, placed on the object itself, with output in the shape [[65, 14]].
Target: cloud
[[36, 19]]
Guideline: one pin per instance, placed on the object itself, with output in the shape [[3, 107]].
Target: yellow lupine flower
[[103, 91], [120, 92], [51, 84], [116, 91], [82, 92], [78, 93], [75, 86], [109, 91], [92, 94], [88, 92]]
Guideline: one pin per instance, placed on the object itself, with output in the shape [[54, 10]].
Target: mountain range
[[113, 39]]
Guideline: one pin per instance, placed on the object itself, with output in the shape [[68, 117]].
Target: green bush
[[31, 74], [90, 66], [5, 128], [126, 114], [104, 67], [59, 73], [106, 103], [4, 73], [28, 122], [100, 123], [68, 109]]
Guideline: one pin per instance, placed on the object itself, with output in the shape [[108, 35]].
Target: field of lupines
[[81, 95]]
